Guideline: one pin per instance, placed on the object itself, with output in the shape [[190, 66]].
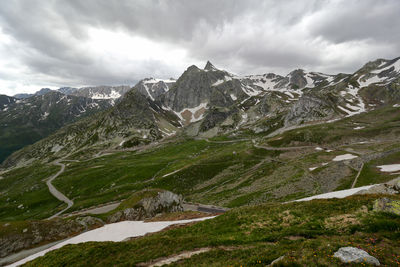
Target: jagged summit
[[209, 66]]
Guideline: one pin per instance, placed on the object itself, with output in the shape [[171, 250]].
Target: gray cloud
[[50, 40]]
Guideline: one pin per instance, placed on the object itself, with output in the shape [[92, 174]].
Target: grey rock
[[153, 89], [389, 188], [310, 108], [165, 201], [45, 231], [355, 255]]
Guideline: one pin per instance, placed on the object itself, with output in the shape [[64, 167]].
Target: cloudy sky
[[58, 43]]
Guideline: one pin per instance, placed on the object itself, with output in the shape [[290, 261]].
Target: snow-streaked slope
[[115, 232], [337, 194]]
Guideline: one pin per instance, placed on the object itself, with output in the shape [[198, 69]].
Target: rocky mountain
[[154, 88], [42, 91], [98, 92], [208, 102], [95, 92], [25, 121]]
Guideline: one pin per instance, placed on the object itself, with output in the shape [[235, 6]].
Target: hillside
[[210, 102], [25, 121], [248, 143], [300, 234]]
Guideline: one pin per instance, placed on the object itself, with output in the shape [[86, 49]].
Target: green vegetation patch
[[24, 193], [306, 233]]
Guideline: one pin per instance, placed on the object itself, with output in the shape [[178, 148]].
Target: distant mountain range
[[25, 121], [208, 102], [96, 92]]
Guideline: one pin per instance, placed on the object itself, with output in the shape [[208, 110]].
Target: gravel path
[[60, 196]]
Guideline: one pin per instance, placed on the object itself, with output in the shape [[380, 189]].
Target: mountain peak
[[209, 66]]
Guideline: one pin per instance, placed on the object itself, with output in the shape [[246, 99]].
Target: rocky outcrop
[[14, 239], [355, 255], [310, 108], [149, 207], [387, 205], [390, 188]]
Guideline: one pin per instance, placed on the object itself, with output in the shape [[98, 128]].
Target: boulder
[[165, 201], [387, 205], [355, 255], [389, 188]]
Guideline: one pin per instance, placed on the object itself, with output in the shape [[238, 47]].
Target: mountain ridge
[[209, 102]]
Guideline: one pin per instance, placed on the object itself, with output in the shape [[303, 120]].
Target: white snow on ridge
[[147, 91], [310, 81], [113, 95], [345, 157], [360, 106], [226, 78], [233, 97], [372, 80], [389, 168], [192, 110], [264, 83], [152, 80], [337, 194], [114, 232], [396, 66]]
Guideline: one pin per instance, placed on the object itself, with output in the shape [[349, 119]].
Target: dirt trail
[[358, 174], [175, 258], [283, 148], [57, 194]]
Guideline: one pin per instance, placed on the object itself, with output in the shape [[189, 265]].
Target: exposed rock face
[[390, 188], [154, 88], [387, 205], [149, 207], [44, 231], [194, 87], [309, 108], [355, 255], [210, 101], [101, 92], [297, 79], [25, 121]]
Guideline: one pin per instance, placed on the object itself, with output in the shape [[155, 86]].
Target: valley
[[249, 146]]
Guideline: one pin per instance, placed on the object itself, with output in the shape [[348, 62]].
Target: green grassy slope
[[233, 171], [305, 233], [25, 195]]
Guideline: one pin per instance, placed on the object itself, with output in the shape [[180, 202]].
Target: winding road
[[60, 196]]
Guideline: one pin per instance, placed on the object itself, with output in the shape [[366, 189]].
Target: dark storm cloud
[[49, 38]]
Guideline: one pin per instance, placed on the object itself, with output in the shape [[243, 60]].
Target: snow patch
[[337, 194], [113, 95], [193, 111], [56, 148], [389, 168], [226, 78], [114, 232], [233, 97], [345, 157]]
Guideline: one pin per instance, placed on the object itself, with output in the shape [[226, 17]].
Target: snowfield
[[344, 157], [389, 168], [115, 232], [337, 194]]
